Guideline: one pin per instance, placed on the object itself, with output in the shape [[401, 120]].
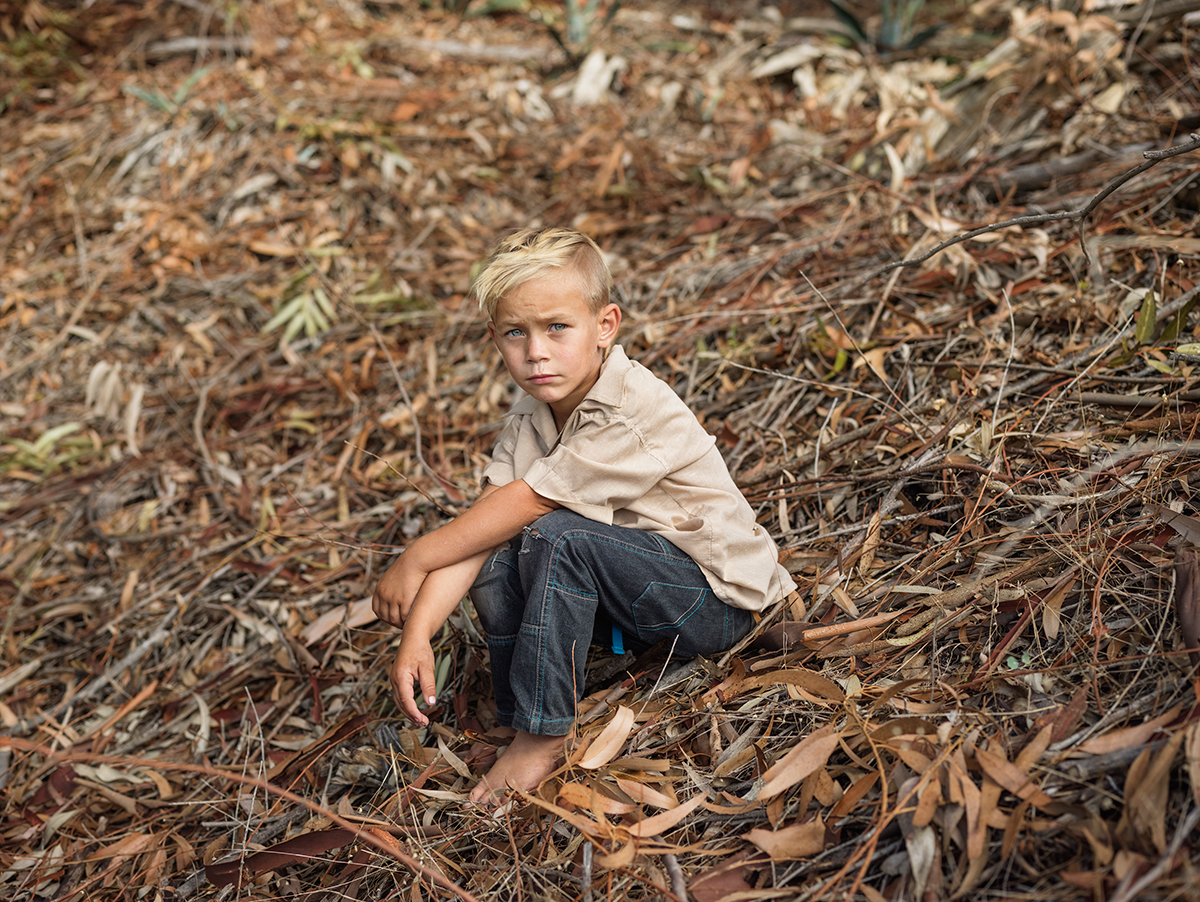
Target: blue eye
[[513, 333], [558, 327]]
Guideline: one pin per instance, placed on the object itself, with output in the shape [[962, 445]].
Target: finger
[[389, 613], [384, 610], [428, 682], [403, 691]]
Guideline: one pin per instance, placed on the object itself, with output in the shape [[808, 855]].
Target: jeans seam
[[548, 565]]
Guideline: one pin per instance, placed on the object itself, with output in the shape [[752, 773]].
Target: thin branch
[[362, 834], [1153, 158]]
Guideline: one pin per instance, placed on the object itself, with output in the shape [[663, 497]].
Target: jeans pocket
[[667, 608]]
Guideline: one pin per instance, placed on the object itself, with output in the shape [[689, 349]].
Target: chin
[[541, 393]]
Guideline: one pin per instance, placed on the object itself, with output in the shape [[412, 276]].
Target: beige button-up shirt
[[633, 454]]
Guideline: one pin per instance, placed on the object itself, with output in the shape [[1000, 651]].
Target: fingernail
[[431, 699]]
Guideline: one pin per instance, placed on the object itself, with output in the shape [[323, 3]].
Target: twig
[[1153, 158], [361, 834], [587, 871], [674, 871], [1127, 890], [39, 356]]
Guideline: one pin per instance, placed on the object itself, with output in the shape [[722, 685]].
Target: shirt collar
[[609, 389]]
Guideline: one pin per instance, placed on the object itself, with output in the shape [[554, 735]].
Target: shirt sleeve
[[605, 466], [502, 469]]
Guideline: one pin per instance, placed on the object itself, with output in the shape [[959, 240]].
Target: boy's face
[[551, 341]]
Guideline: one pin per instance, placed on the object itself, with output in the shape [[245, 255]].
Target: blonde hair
[[532, 253]]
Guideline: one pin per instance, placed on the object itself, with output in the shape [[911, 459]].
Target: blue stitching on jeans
[[618, 640], [557, 542]]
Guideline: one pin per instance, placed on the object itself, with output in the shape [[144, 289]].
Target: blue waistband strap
[[618, 640]]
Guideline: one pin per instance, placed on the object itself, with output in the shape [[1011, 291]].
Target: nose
[[536, 349]]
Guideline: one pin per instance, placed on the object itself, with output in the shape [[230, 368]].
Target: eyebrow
[[551, 316]]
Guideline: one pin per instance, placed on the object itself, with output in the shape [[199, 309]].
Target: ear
[[491, 330], [609, 321]]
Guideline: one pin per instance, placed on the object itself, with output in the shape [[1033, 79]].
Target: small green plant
[[49, 452], [895, 26], [159, 101], [310, 310]]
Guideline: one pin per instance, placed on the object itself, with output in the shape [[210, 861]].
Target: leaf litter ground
[[237, 373]]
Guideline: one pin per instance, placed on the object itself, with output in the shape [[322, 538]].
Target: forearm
[[440, 594], [495, 518]]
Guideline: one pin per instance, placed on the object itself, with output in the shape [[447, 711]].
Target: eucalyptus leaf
[[1146, 319]]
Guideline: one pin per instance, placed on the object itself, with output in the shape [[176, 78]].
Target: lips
[[541, 379]]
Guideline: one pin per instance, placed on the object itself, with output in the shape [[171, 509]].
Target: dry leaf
[[1064, 719], [621, 858], [790, 843], [928, 802], [1052, 605], [1011, 777], [1192, 753], [272, 249], [818, 685], [1188, 527], [728, 881], [1128, 737], [356, 614], [665, 820], [608, 744], [1143, 822], [1187, 600], [646, 794], [588, 798], [809, 754]]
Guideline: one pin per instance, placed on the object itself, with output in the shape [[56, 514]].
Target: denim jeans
[[541, 597]]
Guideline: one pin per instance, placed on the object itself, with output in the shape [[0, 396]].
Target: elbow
[[543, 506]]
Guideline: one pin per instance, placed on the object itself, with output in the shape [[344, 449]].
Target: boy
[[606, 510]]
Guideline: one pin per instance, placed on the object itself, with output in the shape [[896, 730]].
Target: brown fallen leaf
[[1187, 527], [1065, 719], [300, 848], [729, 880], [1143, 825], [810, 753], [790, 843], [1192, 753], [1011, 777], [588, 798], [1187, 600], [1128, 737], [665, 820]]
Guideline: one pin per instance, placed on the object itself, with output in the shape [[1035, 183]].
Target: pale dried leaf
[[605, 747]]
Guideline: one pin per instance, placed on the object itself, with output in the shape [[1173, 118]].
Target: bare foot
[[524, 765]]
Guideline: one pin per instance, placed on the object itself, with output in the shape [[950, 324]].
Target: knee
[[547, 538], [492, 593]]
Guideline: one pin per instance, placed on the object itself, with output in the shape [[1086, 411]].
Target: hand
[[413, 666], [397, 589]]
